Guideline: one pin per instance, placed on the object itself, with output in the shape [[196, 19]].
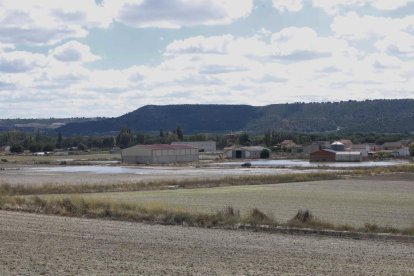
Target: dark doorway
[[238, 154]]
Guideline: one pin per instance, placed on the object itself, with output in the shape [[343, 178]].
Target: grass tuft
[[90, 208]]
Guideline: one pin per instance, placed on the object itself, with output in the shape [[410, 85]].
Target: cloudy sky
[[108, 57]]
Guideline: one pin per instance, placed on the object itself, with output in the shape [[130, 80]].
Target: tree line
[[37, 141]]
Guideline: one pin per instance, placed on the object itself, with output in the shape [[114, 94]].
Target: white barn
[[159, 154], [252, 152]]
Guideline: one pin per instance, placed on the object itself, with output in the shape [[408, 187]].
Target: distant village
[[192, 151], [319, 151]]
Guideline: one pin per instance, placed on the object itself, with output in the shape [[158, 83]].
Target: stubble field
[[38, 244], [385, 201]]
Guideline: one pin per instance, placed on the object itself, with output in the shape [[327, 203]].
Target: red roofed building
[[159, 154]]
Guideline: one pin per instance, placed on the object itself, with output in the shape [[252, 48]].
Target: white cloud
[[20, 61], [355, 27], [296, 44], [294, 64], [399, 44], [288, 5], [73, 51], [177, 13], [336, 6], [44, 22]]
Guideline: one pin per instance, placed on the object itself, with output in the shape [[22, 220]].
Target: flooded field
[[100, 174], [306, 164]]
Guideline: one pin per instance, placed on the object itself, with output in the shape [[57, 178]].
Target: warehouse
[[324, 155], [244, 152], [159, 154], [202, 146], [327, 155], [348, 156]]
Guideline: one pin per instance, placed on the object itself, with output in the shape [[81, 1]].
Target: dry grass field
[[384, 201], [33, 244]]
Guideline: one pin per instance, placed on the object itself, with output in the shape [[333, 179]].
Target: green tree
[[411, 148], [244, 139], [16, 148], [264, 154], [179, 132], [268, 138], [82, 147], [124, 138], [35, 147], [59, 142]]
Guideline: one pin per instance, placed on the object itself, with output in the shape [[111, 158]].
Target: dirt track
[[37, 244]]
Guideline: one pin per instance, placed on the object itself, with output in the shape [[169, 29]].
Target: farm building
[[315, 146], [159, 154], [348, 156], [337, 146], [402, 152], [202, 146], [327, 155], [244, 152], [324, 155], [290, 146], [392, 145], [364, 149], [5, 149]]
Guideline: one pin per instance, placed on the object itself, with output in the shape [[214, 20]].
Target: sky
[[87, 58]]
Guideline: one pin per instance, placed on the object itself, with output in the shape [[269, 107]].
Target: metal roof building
[[252, 152], [327, 155], [348, 156], [202, 146], [159, 154]]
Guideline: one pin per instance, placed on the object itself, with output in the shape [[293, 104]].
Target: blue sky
[[106, 58]]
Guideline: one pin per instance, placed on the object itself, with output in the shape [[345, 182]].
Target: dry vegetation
[[21, 198], [90, 208]]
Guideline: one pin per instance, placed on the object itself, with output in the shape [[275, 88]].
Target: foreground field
[[38, 244], [386, 200]]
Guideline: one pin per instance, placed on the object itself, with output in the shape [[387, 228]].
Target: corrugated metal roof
[[328, 150], [166, 147], [253, 148], [337, 143], [348, 153]]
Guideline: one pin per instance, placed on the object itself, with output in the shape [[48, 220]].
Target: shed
[[324, 155], [364, 149], [252, 152], [392, 145], [348, 156], [159, 154]]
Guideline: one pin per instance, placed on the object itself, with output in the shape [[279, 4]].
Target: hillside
[[45, 125], [385, 116]]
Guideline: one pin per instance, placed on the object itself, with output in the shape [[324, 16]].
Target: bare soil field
[[386, 201], [38, 244]]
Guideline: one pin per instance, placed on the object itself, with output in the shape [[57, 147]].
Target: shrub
[[303, 216], [257, 217], [16, 148], [264, 154]]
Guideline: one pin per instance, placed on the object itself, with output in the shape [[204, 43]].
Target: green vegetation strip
[[228, 217]]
